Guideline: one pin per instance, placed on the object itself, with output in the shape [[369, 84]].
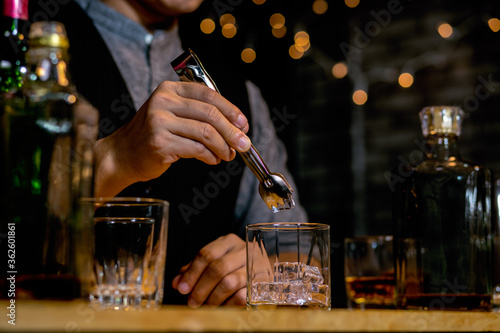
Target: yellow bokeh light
[[301, 38], [444, 29], [302, 48], [294, 52], [277, 21], [248, 55], [359, 97], [279, 33], [259, 2], [351, 3], [494, 24], [405, 80], [207, 26], [227, 19], [320, 7], [71, 98], [229, 30], [339, 70]]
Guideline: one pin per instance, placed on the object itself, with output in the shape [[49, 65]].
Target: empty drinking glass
[[130, 242]]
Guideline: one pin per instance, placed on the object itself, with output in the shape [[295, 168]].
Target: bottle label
[[17, 9]]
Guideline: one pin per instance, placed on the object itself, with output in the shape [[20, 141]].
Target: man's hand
[[217, 275], [179, 120]]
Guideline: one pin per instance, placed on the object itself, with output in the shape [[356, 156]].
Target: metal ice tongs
[[273, 187]]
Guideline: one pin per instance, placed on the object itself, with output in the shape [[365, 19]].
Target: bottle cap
[[48, 33], [17, 9], [441, 120]]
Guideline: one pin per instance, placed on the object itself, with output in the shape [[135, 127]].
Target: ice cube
[[312, 274], [294, 284], [297, 271], [287, 271]]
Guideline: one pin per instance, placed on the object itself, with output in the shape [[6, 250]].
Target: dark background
[[339, 152]]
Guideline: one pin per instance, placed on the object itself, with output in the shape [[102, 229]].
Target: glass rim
[[123, 219], [365, 238], [288, 226], [125, 201]]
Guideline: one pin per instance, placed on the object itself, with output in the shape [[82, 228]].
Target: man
[[174, 140]]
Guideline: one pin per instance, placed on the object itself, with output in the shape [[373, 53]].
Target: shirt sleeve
[[250, 208]]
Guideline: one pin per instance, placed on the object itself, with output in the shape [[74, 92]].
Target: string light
[[229, 30], [405, 80], [359, 97], [301, 45], [279, 33], [207, 26], [227, 19], [277, 21], [339, 70], [320, 7], [248, 55], [294, 52], [494, 24], [351, 3], [444, 29], [301, 38]]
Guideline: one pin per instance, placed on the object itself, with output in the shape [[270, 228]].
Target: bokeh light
[[259, 2], [301, 38], [351, 3], [227, 19], [320, 6], [494, 24], [444, 29], [294, 52], [229, 30], [277, 21], [248, 55], [405, 80], [207, 26], [279, 33], [339, 70], [359, 97]]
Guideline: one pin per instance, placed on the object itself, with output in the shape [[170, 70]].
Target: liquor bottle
[[47, 158], [14, 29], [442, 223]]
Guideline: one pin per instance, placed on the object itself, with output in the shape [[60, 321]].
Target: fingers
[[206, 135], [177, 279], [238, 299], [215, 114], [216, 273], [199, 92], [221, 279], [225, 290]]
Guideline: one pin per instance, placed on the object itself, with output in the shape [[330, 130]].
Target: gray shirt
[[143, 59]]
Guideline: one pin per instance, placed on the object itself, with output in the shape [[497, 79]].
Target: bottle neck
[[14, 29], [15, 19], [444, 147]]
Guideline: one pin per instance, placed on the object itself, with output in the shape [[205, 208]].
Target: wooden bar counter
[[77, 316]]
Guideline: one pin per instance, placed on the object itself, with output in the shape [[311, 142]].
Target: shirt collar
[[114, 22]]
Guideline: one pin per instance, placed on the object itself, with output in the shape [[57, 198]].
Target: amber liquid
[[372, 291], [460, 302]]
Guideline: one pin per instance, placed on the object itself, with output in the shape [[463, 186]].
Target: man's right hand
[[179, 120]]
